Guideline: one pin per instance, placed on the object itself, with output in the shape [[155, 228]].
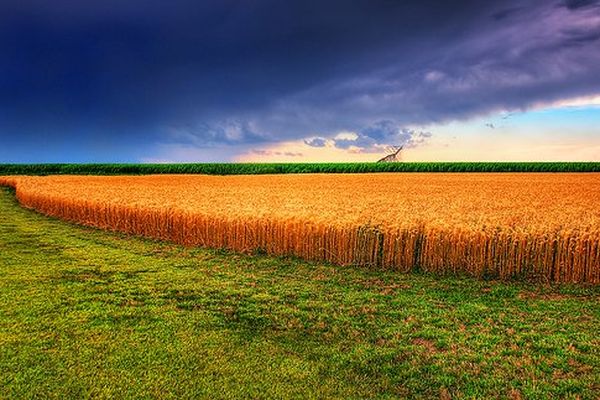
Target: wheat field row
[[543, 226]]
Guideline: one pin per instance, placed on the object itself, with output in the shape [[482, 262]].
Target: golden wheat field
[[540, 226]]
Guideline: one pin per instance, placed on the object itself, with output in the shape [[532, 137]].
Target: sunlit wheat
[[535, 225]]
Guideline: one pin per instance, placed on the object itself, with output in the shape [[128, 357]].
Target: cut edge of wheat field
[[562, 256]]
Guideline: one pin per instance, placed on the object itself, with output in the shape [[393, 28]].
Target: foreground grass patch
[[84, 313]]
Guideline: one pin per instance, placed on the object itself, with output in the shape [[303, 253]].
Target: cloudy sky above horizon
[[225, 80]]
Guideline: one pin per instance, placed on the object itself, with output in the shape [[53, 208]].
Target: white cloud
[[579, 102], [346, 136]]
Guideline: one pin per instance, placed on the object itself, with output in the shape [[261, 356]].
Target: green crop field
[[90, 314], [292, 168]]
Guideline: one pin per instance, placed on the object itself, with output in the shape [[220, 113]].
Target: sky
[[295, 81]]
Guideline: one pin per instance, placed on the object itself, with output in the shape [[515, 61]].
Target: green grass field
[[86, 313], [293, 168]]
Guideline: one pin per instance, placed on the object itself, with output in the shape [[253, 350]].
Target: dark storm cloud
[[575, 4], [79, 78], [229, 132], [505, 13], [507, 66]]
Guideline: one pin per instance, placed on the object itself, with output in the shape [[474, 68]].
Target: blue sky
[[188, 81]]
